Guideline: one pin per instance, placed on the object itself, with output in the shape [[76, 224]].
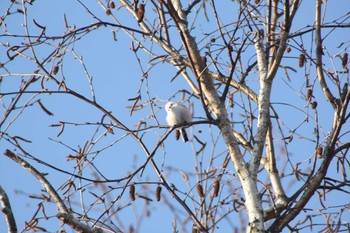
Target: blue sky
[[117, 78]]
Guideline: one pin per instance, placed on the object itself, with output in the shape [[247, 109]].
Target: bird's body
[[178, 114]]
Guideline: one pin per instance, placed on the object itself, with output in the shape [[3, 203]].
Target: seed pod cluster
[[132, 192], [289, 49], [108, 12], [112, 5], [301, 60], [200, 190]]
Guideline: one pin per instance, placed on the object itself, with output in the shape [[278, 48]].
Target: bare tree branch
[[64, 213]]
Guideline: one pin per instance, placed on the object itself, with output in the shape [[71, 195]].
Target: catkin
[[345, 60], [314, 105], [216, 188], [158, 192], [132, 192], [319, 151], [140, 13], [200, 190], [301, 60], [309, 95]]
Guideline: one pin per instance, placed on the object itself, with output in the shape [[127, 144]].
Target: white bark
[[7, 211], [252, 196], [263, 107]]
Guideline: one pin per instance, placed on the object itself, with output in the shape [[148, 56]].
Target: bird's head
[[169, 105]]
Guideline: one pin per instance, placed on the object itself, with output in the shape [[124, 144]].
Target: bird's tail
[[184, 135]]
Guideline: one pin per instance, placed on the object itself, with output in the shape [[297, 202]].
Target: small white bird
[[178, 114]]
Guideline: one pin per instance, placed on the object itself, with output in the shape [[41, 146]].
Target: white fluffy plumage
[[178, 114]]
